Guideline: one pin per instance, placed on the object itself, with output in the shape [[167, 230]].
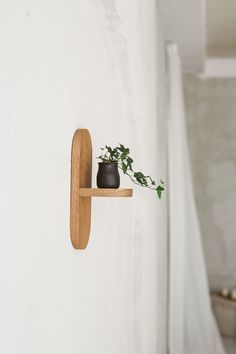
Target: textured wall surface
[[211, 116], [63, 65]]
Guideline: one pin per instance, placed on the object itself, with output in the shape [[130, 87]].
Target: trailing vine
[[120, 154]]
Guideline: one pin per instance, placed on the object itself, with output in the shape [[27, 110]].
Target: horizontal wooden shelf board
[[105, 192]]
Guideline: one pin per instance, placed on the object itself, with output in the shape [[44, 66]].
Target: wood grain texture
[[81, 172], [105, 192], [81, 191]]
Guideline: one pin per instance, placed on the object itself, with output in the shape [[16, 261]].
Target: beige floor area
[[230, 346]]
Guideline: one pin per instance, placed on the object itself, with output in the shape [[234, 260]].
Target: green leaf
[[109, 149], [145, 182], [158, 193], [139, 180], [129, 160], [124, 167], [121, 148]]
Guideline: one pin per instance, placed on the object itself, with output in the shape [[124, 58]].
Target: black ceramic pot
[[108, 175]]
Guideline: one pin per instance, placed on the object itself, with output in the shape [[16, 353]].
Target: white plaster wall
[[63, 65], [211, 111], [220, 68]]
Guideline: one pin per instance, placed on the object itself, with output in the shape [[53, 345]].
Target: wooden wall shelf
[[81, 191], [105, 192]]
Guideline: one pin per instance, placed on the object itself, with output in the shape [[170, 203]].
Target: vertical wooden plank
[[81, 174]]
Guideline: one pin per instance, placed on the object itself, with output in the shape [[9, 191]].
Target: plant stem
[[133, 180]]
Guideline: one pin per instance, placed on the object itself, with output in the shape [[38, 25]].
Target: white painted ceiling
[[202, 29], [221, 28]]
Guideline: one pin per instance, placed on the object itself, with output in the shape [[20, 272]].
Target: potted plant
[[116, 158]]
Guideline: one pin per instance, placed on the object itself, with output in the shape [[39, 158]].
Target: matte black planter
[[108, 175]]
